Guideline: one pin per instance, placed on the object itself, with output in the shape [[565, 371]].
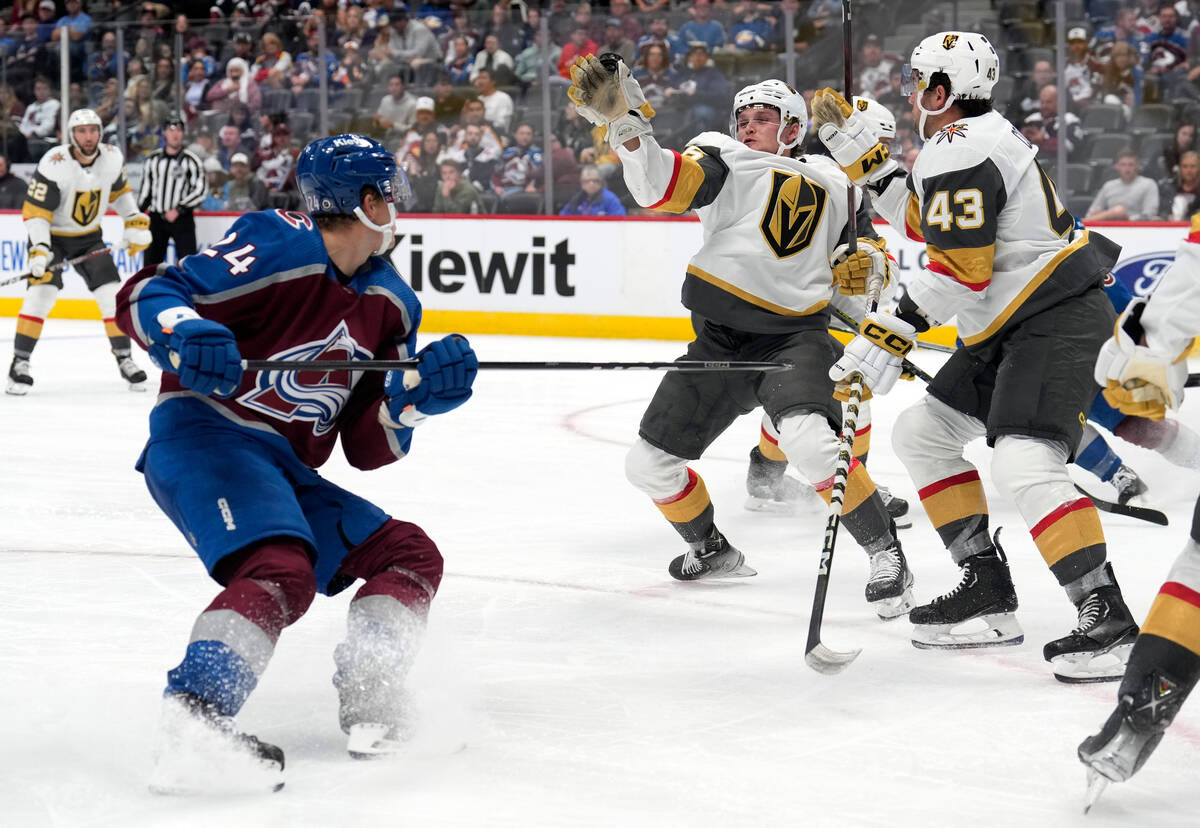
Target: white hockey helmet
[[78, 118], [877, 115], [968, 59], [778, 96]]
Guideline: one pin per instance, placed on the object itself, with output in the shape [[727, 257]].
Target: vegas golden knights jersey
[[770, 224], [70, 197], [1000, 243]]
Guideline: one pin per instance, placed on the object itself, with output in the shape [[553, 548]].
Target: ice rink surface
[[566, 679]]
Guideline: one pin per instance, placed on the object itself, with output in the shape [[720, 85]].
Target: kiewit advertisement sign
[[554, 276]]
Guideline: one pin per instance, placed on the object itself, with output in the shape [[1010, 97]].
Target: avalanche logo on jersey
[[793, 213], [317, 396]]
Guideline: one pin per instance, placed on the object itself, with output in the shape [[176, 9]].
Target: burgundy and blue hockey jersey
[[271, 282]]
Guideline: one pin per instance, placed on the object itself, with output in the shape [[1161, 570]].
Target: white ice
[[566, 679]]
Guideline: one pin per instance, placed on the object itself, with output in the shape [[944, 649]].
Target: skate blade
[[771, 507], [370, 741], [1001, 630], [208, 778], [16, 389], [139, 387], [1091, 668], [827, 661], [889, 609], [1096, 783]]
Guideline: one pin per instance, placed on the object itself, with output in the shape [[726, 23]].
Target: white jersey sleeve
[[1172, 315]]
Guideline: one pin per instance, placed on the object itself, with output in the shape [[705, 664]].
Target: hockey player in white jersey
[[761, 283], [1024, 287], [1143, 369], [68, 194]]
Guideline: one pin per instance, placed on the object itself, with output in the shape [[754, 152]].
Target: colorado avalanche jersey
[[770, 224], [71, 197], [270, 281], [1001, 245]]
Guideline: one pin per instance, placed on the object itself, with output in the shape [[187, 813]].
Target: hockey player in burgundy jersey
[[232, 455]]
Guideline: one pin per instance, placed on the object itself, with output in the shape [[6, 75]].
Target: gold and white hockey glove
[[605, 93], [850, 139], [877, 353], [137, 233], [853, 271], [39, 260], [1138, 380]]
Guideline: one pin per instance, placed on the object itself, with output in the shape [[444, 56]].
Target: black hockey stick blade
[[1139, 512], [406, 364], [1192, 381], [827, 661]]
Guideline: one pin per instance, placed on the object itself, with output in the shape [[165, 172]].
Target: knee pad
[[399, 561], [281, 567], [1024, 466], [106, 298], [932, 430], [653, 471], [39, 300], [809, 443]]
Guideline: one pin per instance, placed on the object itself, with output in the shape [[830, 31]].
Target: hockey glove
[[137, 233], [442, 382], [852, 272], [205, 356], [1135, 379], [606, 94], [877, 353], [39, 259], [850, 139]]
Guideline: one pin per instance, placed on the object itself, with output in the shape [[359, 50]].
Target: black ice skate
[[985, 594], [19, 378], [770, 489], [1128, 485], [1131, 733], [897, 507], [714, 558], [202, 752], [889, 585], [1098, 647], [130, 372]]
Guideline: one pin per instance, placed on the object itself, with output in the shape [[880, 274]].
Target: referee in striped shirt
[[172, 187]]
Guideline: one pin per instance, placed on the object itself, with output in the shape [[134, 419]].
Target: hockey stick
[[1192, 381], [406, 364], [907, 366], [816, 654], [1139, 512], [54, 268]]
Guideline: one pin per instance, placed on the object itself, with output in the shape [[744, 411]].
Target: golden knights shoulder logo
[[862, 104], [948, 41], [86, 207], [793, 213]]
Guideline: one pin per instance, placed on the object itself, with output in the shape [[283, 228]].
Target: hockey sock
[[690, 511], [1095, 455], [1174, 441], [29, 330], [768, 443], [1169, 642], [398, 560], [958, 511], [121, 346], [863, 513]]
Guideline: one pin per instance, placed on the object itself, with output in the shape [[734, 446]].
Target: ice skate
[[1128, 485], [1130, 734], [889, 585], [131, 373], [199, 751], [897, 507], [714, 558], [1098, 647], [770, 489], [979, 612], [19, 379]]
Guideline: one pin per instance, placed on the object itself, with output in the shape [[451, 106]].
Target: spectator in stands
[[574, 131], [8, 41], [306, 68], [1184, 141], [237, 85], [520, 167], [12, 142], [529, 62], [214, 185], [29, 59], [702, 28], [566, 171], [473, 115], [12, 187], [1077, 69], [874, 68], [616, 41], [459, 61], [243, 49], [162, 86], [40, 122], [421, 165], [416, 45], [498, 105], [561, 20], [1121, 81], [454, 194], [102, 65], [47, 19], [460, 26], [1128, 197], [243, 192], [702, 88], [277, 167], [353, 27], [593, 198], [73, 28], [578, 46], [195, 88], [496, 62], [479, 159], [655, 75], [423, 124], [198, 49], [591, 23], [1026, 97], [510, 34], [202, 145], [1166, 58], [447, 104], [1123, 30], [396, 113], [753, 30], [1178, 193], [631, 25], [1042, 127], [230, 139], [274, 64], [659, 32], [650, 6]]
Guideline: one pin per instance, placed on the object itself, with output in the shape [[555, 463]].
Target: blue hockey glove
[[442, 382], [205, 355]]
